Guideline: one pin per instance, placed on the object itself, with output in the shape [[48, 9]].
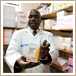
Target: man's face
[[34, 19]]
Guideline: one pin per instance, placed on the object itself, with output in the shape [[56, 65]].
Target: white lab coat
[[23, 43]]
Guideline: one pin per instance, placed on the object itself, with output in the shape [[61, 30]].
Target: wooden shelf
[[57, 67], [63, 30], [53, 15], [68, 9], [66, 52], [64, 33], [49, 16], [12, 27]]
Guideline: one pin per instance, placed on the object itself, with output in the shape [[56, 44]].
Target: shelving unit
[[62, 32], [63, 53]]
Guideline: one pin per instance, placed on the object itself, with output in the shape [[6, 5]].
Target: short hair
[[35, 10]]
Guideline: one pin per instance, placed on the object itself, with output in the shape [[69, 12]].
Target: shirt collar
[[29, 29]]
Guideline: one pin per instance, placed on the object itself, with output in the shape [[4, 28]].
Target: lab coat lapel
[[30, 31]]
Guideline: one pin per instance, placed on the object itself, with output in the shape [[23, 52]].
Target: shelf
[[69, 52], [68, 9], [9, 27], [12, 27], [49, 16], [59, 68], [53, 15], [62, 32], [65, 54]]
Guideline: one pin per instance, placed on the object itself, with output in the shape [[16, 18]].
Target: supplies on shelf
[[59, 6], [44, 10], [65, 22], [70, 64], [61, 14], [61, 61], [60, 64], [50, 9], [63, 65], [21, 19], [68, 67], [49, 23], [63, 42]]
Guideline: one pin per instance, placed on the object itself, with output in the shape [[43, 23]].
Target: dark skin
[[34, 19], [34, 23]]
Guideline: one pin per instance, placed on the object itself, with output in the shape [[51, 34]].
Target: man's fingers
[[26, 62], [22, 62]]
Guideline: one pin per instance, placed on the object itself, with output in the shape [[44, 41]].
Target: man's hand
[[23, 61]]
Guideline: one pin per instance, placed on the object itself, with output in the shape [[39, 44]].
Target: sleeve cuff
[[11, 59]]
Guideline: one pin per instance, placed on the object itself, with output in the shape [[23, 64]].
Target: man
[[19, 55]]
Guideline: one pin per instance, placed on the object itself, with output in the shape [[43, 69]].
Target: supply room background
[[57, 18]]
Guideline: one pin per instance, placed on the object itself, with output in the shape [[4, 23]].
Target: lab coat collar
[[30, 30]]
